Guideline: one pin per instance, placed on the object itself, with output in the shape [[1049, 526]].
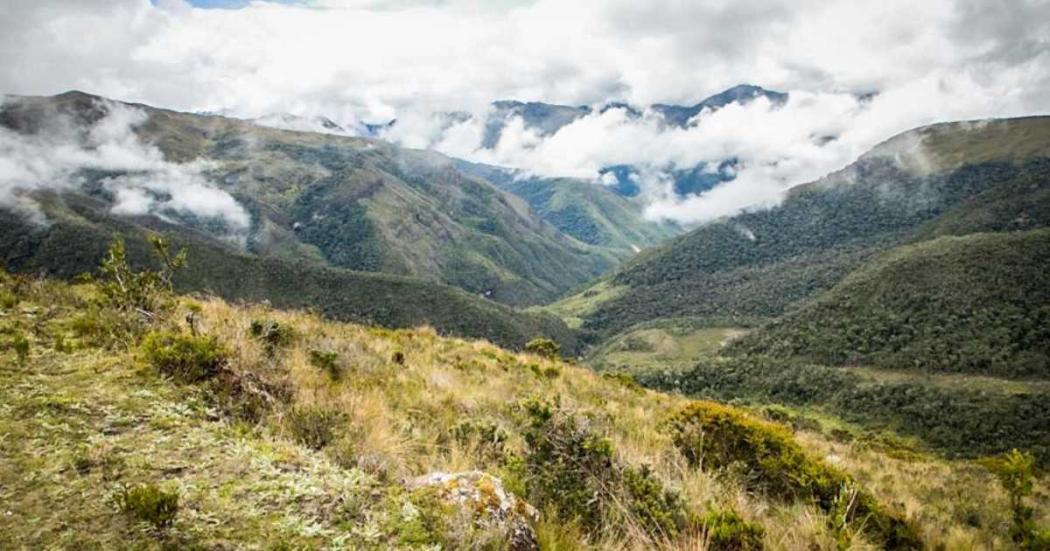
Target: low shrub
[[572, 470], [186, 358], [271, 334], [1016, 471], [489, 437], [720, 437], [328, 362], [725, 530], [149, 503], [544, 347], [313, 427]]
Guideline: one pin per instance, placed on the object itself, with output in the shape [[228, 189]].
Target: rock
[[492, 506]]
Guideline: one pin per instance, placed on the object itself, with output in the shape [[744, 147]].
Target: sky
[[414, 60]]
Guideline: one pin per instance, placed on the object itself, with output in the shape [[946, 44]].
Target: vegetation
[[1015, 471], [978, 304], [543, 347], [323, 460], [149, 503]]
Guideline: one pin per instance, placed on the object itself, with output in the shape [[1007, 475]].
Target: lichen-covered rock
[[490, 505]]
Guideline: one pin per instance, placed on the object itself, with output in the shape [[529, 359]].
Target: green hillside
[[348, 203], [755, 266], [81, 230], [978, 304], [590, 212]]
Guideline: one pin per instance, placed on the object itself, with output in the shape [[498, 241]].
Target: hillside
[[978, 304], [207, 425], [309, 198], [754, 266], [81, 229], [589, 212]]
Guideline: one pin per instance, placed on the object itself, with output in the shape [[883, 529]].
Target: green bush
[[271, 334], [572, 470], [313, 427], [544, 347], [1016, 471], [8, 300], [186, 358], [149, 503], [328, 362], [489, 437], [715, 436], [725, 530]]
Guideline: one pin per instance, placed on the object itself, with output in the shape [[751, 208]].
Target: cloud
[[135, 174], [357, 61]]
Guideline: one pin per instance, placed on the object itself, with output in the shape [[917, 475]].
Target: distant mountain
[[287, 121], [350, 203], [948, 179], [588, 211], [743, 94], [543, 118]]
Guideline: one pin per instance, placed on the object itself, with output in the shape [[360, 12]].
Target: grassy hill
[[755, 266], [978, 304], [207, 425], [342, 202]]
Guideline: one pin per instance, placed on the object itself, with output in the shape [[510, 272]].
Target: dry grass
[[252, 485]]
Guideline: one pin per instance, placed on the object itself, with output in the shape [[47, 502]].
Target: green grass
[[668, 346]]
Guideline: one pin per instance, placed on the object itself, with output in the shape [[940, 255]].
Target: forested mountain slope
[[327, 200]]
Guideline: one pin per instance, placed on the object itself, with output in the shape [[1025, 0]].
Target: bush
[[543, 347], [572, 470], [271, 334], [725, 530], [720, 437], [149, 503], [328, 362], [489, 437], [314, 427], [1015, 471], [186, 358]]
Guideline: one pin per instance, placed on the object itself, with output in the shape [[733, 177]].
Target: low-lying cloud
[[64, 156]]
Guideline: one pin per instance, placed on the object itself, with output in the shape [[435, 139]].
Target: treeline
[[960, 422]]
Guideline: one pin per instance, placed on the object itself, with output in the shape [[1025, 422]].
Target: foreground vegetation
[[135, 418]]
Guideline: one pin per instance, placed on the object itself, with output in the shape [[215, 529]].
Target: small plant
[[185, 357], [625, 379], [398, 357], [314, 427], [1015, 471], [840, 515], [8, 300], [544, 347], [20, 344], [271, 334], [328, 362], [725, 530], [489, 437], [149, 503], [144, 292], [551, 371]]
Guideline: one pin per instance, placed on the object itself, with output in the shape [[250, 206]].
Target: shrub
[[489, 437], [720, 437], [572, 470], [186, 358], [271, 334], [328, 362], [149, 503], [1015, 471], [314, 427], [543, 347], [725, 530], [145, 292], [398, 357], [8, 300]]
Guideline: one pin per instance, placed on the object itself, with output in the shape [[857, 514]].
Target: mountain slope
[[342, 202], [589, 212], [81, 229], [978, 304], [755, 265], [404, 439]]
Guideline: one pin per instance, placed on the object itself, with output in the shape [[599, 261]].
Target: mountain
[[332, 201], [677, 115], [587, 211], [945, 179], [543, 118], [976, 304]]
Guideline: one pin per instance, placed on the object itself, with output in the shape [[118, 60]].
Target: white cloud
[[373, 60], [143, 182]]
